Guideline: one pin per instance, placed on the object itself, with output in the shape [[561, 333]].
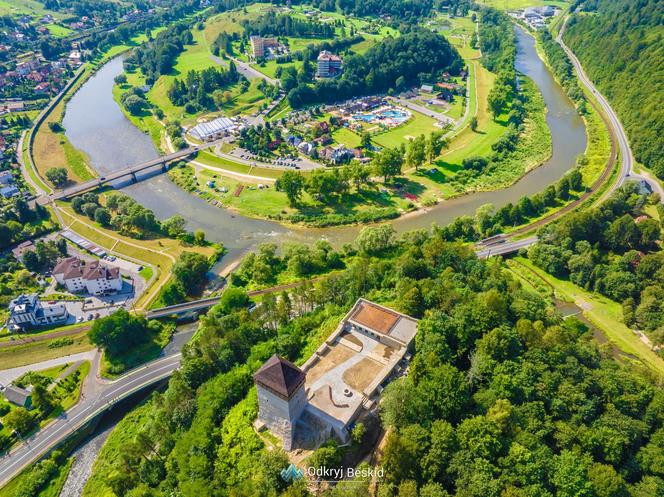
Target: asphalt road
[[136, 168], [105, 396]]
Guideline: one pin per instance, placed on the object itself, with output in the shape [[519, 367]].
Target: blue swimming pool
[[395, 114]]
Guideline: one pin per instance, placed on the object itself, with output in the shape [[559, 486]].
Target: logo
[[291, 473]]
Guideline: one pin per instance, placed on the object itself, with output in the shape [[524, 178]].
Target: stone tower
[[281, 397]]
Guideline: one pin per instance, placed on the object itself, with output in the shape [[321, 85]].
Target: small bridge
[[184, 308], [128, 172]]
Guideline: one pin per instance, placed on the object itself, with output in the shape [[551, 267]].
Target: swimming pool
[[394, 114]]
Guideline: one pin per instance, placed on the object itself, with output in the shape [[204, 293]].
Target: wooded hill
[[619, 43]]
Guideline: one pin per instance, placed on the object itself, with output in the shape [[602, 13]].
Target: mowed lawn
[[54, 149], [58, 31], [347, 137], [468, 142], [417, 125]]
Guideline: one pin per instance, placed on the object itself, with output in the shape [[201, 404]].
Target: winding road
[[99, 396]]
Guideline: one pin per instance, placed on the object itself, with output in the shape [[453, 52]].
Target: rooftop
[[16, 395], [374, 317], [279, 375]]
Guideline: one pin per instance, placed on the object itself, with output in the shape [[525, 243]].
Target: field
[[54, 150], [347, 137], [520, 4], [417, 125], [32, 352], [59, 31], [267, 203], [600, 311], [26, 7]]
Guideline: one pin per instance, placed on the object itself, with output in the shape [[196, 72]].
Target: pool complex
[[395, 115]]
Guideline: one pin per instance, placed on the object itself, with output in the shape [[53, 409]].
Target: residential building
[[6, 178], [329, 65], [20, 250], [306, 148], [18, 396], [260, 46], [26, 311], [340, 382], [9, 191], [93, 278]]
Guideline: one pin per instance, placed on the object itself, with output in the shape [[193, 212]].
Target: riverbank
[[600, 311]]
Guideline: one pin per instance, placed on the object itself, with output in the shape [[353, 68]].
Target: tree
[[233, 299], [119, 332], [416, 152], [57, 176], [292, 184], [199, 237], [174, 226], [134, 104], [374, 240], [102, 216], [120, 79], [434, 145], [191, 272], [473, 123], [19, 420], [388, 163], [365, 142]]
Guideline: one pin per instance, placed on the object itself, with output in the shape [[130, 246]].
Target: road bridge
[[131, 172], [106, 396]]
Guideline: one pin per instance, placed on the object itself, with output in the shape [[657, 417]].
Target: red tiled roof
[[375, 318]]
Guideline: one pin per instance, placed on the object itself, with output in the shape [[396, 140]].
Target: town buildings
[[341, 380], [93, 277], [266, 48], [328, 65], [27, 311]]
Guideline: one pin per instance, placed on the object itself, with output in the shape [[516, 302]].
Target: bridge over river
[[131, 171]]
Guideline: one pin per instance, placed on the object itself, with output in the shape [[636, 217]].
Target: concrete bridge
[[129, 172], [106, 396]]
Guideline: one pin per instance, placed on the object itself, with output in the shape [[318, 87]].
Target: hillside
[[619, 43]]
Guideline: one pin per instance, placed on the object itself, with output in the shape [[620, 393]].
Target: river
[[95, 125]]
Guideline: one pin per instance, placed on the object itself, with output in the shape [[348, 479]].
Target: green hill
[[620, 44]]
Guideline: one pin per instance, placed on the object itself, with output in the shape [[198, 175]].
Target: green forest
[[619, 43], [503, 397]]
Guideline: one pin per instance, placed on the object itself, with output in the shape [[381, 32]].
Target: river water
[[95, 124]]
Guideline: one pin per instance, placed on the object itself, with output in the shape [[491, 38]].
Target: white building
[[26, 311], [93, 278], [217, 128], [328, 65]]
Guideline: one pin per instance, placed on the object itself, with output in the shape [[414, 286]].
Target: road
[[105, 395], [250, 73], [136, 168], [9, 375], [627, 163]]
